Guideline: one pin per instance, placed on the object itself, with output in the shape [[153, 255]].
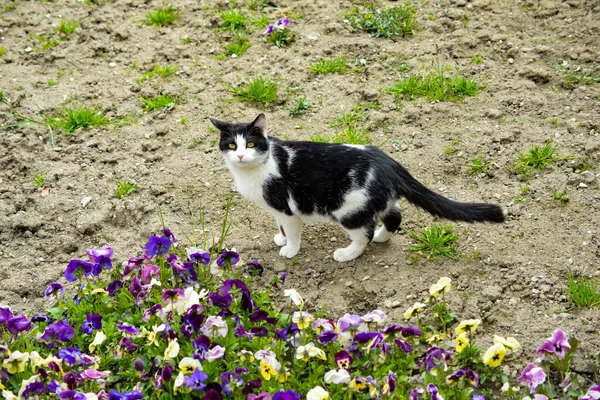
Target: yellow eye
[[250, 145], [232, 146]]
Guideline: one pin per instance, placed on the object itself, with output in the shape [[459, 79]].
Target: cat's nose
[[240, 156]]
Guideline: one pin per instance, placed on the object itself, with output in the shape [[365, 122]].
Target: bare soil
[[516, 283]]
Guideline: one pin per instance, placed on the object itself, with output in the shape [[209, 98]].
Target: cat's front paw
[[289, 251], [280, 240], [343, 255]]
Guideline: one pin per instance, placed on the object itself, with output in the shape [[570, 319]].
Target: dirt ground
[[515, 286]]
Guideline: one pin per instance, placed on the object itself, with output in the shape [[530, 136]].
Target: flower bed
[[182, 322]]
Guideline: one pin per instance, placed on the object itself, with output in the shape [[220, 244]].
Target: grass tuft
[[66, 27], [353, 129], [582, 292], [72, 119], [395, 21], [435, 86], [234, 20], [2, 51], [162, 16], [158, 102], [238, 48], [258, 90], [537, 157], [300, 106], [125, 188], [577, 76], [435, 241], [330, 66], [38, 180], [479, 166], [159, 71]]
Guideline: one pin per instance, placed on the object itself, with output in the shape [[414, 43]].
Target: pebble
[[333, 239], [85, 201], [112, 64], [582, 185], [366, 278], [349, 283], [511, 60], [396, 304]]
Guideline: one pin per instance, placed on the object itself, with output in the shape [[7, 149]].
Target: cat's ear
[[220, 125], [260, 124]]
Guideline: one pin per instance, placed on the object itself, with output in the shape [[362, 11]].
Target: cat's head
[[244, 145]]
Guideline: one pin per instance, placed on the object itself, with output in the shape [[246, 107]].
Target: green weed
[[162, 16], [158, 102], [524, 189], [348, 118], [125, 188], [45, 43], [185, 40], [258, 90], [300, 106], [239, 48], [476, 59], [234, 20], [578, 76], [11, 6], [435, 86], [560, 196], [537, 157], [395, 21], [479, 166], [353, 129], [2, 51], [159, 71], [330, 66], [261, 22], [582, 292], [452, 147], [72, 119], [257, 5], [195, 143], [66, 27], [38, 180], [435, 241], [52, 82]]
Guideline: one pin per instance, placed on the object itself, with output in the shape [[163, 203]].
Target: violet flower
[[59, 331], [71, 395], [593, 393], [229, 258], [96, 253], [212, 393], [198, 255], [229, 380], [18, 324], [40, 318], [34, 387], [287, 395], [171, 295], [404, 346], [77, 267], [327, 337], [128, 328], [433, 391], [435, 356], [101, 263], [343, 359], [5, 314], [54, 289], [92, 322], [175, 263], [157, 246], [155, 309], [132, 395], [250, 386], [255, 269], [70, 355], [350, 323], [389, 384], [557, 344], [167, 232], [470, 376], [114, 287], [532, 376], [196, 380], [216, 299], [150, 271], [260, 396]]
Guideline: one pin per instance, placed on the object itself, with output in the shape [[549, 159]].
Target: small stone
[[112, 64], [411, 297], [333, 239], [348, 283], [28, 49], [511, 60], [366, 278], [494, 113], [313, 36], [582, 186], [396, 304], [85, 201]]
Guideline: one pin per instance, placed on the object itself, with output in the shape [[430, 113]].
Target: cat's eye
[[232, 146], [250, 145]]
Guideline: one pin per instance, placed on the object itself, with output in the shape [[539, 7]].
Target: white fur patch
[[356, 146]]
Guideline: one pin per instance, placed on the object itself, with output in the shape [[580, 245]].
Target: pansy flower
[[532, 376], [435, 357], [337, 377], [310, 351], [403, 345], [557, 344], [320, 325], [494, 355], [214, 353], [114, 287], [267, 369], [371, 338], [128, 329], [131, 395], [157, 246], [228, 258], [254, 268], [468, 375], [441, 286], [461, 342], [375, 316], [389, 384], [593, 393], [287, 395], [198, 255], [467, 326], [15, 362], [327, 337], [433, 391], [172, 350], [294, 297], [5, 314], [76, 268], [96, 254], [317, 393], [98, 340], [92, 322], [59, 331], [259, 396], [230, 380], [358, 384], [54, 289], [188, 365], [18, 324], [510, 343], [215, 326], [302, 319], [343, 359]]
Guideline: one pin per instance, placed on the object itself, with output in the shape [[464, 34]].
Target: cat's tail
[[418, 194]]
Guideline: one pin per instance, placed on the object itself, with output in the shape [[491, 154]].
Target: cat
[[353, 185]]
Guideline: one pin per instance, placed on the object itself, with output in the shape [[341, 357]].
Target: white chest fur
[[250, 180]]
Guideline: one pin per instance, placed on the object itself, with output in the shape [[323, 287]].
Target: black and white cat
[[353, 185]]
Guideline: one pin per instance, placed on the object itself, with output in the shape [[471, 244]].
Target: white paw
[[382, 235], [347, 254], [289, 251], [280, 240]]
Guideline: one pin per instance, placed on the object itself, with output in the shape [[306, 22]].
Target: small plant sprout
[[239, 48], [158, 102], [477, 59], [300, 106], [577, 76], [72, 119], [560, 195], [537, 157], [352, 128], [125, 188], [159, 71], [395, 21], [259, 90], [479, 166], [66, 27], [435, 241], [279, 34], [452, 147], [38, 180], [2, 51], [234, 20], [261, 22], [582, 292], [162, 16], [329, 66]]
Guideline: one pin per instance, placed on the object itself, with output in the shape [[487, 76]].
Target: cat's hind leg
[[280, 239], [391, 222], [292, 226], [360, 239]]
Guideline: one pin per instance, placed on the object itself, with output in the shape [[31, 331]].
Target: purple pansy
[[96, 253], [101, 263], [435, 356], [593, 393], [532, 376], [254, 268], [259, 396], [167, 232], [343, 359], [18, 324], [132, 395], [70, 355], [350, 323], [33, 388], [229, 257], [77, 267], [557, 344], [198, 255], [114, 287], [40, 318], [92, 322], [157, 246], [221, 301], [327, 337], [433, 391], [175, 263], [389, 384], [155, 309], [196, 380], [54, 289], [229, 380], [372, 338], [59, 331], [128, 328], [71, 395], [5, 314], [150, 271], [470, 376], [404, 346], [171, 295], [287, 395]]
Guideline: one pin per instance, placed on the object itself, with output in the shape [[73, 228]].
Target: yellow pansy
[[302, 319], [357, 386], [100, 292], [188, 365], [468, 325], [16, 362], [461, 342], [317, 393], [494, 355], [442, 285], [414, 309], [2, 387], [435, 338], [98, 339], [266, 370], [246, 355], [510, 343], [172, 350], [282, 375], [153, 336]]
